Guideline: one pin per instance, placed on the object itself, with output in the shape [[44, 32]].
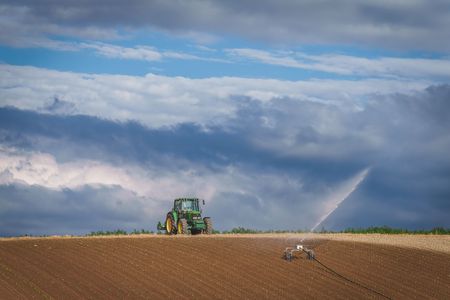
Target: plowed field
[[216, 267]]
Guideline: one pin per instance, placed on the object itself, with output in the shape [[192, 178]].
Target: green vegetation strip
[[242, 230], [376, 230]]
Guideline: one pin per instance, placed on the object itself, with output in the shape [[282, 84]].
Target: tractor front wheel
[[208, 225], [182, 226], [170, 224]]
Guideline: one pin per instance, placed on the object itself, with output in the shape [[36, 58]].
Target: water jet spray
[[290, 251], [334, 204]]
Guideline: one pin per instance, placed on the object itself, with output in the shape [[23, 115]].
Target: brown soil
[[216, 267]]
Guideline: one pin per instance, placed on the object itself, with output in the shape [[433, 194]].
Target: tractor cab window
[[177, 205], [189, 205]]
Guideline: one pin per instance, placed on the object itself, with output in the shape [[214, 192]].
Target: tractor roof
[[184, 199]]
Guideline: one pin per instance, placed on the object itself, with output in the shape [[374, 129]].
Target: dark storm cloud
[[36, 210], [394, 196], [108, 140], [404, 138], [290, 155], [79, 136], [408, 184], [321, 136], [400, 24]]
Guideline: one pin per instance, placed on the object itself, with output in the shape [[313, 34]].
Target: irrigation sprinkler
[[289, 252]]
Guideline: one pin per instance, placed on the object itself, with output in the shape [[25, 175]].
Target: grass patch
[[368, 230], [389, 230], [243, 230]]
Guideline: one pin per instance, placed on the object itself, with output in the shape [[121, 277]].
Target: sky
[[274, 112]]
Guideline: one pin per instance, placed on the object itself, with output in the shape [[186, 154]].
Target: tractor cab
[[186, 218], [186, 205]]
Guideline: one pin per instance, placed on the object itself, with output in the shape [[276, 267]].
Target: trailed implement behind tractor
[[186, 218]]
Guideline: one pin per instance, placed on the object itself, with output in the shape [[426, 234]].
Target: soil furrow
[[218, 267]]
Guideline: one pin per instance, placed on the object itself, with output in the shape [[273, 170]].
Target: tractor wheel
[[170, 224], [182, 226], [208, 225]]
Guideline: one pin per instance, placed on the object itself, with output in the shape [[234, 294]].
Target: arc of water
[[359, 178]]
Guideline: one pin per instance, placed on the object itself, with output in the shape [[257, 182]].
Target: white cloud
[[159, 186], [283, 60], [146, 53], [112, 51], [138, 52], [387, 67], [42, 169], [204, 48], [161, 101]]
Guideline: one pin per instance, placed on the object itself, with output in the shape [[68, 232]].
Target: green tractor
[[186, 217]]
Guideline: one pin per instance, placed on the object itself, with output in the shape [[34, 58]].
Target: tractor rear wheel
[[170, 224], [182, 226], [208, 225]]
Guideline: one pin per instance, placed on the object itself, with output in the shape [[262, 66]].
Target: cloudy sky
[[271, 111]]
